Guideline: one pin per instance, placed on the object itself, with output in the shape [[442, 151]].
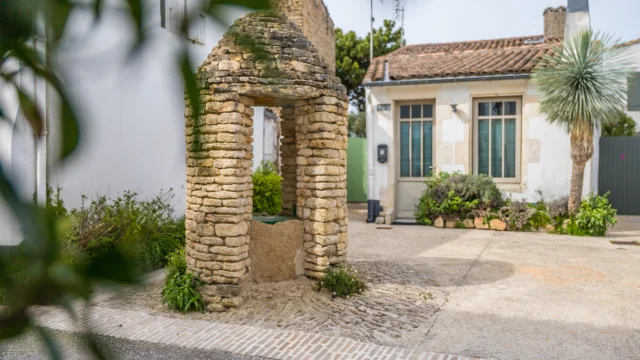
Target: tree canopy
[[352, 56]]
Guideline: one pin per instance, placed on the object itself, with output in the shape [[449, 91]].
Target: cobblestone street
[[389, 313]]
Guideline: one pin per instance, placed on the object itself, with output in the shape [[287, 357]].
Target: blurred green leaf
[[30, 111], [112, 266], [57, 16], [136, 13]]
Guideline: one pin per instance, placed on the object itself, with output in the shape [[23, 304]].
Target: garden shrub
[[540, 218], [145, 229], [517, 215], [180, 291], [342, 282], [267, 191], [456, 196], [594, 217], [558, 209], [623, 126], [15, 272]]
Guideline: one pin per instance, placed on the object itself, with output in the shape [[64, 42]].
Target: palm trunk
[[581, 138], [577, 179]]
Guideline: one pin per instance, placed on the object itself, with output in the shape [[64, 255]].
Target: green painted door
[[357, 170]]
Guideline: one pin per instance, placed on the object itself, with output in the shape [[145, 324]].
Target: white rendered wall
[[545, 152], [258, 139], [132, 110], [635, 55]]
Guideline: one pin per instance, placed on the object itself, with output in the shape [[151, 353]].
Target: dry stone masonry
[[235, 77]]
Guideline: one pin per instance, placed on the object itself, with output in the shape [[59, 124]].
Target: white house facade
[[633, 103], [467, 107]]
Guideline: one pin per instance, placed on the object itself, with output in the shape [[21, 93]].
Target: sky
[[435, 21]]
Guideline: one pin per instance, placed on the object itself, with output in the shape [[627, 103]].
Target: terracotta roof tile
[[632, 42], [484, 57]]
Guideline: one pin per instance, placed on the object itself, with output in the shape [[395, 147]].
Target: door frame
[[396, 145]]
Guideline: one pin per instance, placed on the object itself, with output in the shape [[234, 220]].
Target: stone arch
[[219, 153]]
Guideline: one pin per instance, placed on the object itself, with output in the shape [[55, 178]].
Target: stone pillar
[[321, 188], [219, 196], [288, 153]]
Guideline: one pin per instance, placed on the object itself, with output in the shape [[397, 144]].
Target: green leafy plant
[[176, 262], [456, 196], [267, 189], [540, 218], [342, 282], [594, 217], [181, 293], [624, 125]]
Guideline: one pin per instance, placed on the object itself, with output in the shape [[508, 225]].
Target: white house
[[468, 107], [633, 104], [133, 107]]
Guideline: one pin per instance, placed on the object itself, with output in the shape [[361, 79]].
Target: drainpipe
[[372, 204], [41, 90]]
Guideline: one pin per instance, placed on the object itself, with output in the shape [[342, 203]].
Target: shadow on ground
[[432, 271]]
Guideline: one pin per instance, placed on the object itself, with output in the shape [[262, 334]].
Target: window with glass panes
[[416, 140], [497, 138]]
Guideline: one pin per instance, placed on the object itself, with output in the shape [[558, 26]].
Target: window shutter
[[633, 99]]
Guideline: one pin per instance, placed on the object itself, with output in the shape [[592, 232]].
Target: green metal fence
[[357, 170], [619, 172]]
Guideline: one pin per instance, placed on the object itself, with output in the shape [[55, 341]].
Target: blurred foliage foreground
[[52, 274]]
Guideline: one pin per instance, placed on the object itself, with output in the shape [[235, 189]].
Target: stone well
[[219, 154]]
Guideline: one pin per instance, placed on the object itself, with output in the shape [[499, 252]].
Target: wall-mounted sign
[[384, 107]]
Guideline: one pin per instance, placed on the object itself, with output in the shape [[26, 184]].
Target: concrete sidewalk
[[518, 295]]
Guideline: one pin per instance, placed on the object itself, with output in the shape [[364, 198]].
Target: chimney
[[554, 20], [578, 20]]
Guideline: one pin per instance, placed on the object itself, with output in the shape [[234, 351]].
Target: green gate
[[357, 170], [619, 172]]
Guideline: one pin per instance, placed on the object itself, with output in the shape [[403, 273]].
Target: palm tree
[[583, 85]]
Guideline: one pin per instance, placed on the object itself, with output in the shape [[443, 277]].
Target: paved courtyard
[[473, 293]]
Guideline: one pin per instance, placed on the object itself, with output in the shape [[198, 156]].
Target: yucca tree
[[583, 84]]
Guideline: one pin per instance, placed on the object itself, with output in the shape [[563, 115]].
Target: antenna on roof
[[399, 15]]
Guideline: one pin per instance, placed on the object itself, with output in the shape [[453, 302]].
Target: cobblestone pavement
[[394, 311], [237, 339]]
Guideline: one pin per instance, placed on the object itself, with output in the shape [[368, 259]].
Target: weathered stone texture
[[274, 249], [313, 18], [219, 154]]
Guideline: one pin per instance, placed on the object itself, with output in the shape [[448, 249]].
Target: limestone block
[[232, 230], [320, 228], [479, 223], [439, 223], [451, 224], [468, 223], [380, 220], [497, 224], [211, 241], [274, 249], [205, 230]]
